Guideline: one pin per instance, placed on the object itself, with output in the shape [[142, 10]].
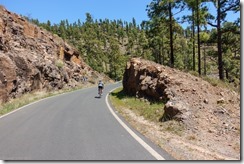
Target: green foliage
[[59, 63], [150, 110], [194, 73], [221, 83], [32, 97], [106, 45]]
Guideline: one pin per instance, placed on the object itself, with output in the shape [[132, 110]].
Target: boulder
[[186, 97], [146, 79]]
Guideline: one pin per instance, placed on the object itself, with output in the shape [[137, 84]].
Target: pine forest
[[209, 46]]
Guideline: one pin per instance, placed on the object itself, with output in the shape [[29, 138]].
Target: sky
[[57, 10]]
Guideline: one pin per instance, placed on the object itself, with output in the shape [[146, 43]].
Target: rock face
[[210, 114], [185, 96], [33, 59], [149, 80]]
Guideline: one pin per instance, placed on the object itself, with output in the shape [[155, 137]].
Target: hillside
[[209, 116], [33, 59]]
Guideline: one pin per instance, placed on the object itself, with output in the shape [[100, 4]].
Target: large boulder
[[146, 79], [185, 96]]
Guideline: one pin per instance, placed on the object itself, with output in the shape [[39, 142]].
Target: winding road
[[73, 126]]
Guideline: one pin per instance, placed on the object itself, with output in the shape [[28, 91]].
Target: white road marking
[[136, 137], [16, 110]]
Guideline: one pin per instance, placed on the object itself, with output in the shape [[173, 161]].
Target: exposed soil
[[209, 128], [186, 144]]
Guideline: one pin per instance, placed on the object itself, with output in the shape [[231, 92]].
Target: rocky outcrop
[[149, 80], [33, 59], [210, 115], [185, 96], [144, 79]]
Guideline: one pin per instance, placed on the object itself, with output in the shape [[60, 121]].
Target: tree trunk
[[193, 40], [163, 52], [227, 74], [220, 60], [171, 37], [160, 54], [198, 40], [205, 62]]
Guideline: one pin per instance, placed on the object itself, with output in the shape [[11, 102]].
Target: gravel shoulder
[[183, 145], [208, 112]]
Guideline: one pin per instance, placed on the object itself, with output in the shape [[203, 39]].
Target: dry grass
[[29, 98], [152, 111]]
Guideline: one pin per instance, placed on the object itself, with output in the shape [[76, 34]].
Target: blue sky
[[57, 10]]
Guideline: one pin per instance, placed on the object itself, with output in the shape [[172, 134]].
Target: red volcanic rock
[[32, 59], [184, 95]]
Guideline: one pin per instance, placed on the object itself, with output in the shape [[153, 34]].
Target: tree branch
[[229, 8], [179, 11], [214, 25], [230, 30]]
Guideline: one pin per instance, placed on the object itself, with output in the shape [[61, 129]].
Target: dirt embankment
[[209, 116]]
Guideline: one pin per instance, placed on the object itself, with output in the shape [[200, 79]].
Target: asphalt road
[[72, 126]]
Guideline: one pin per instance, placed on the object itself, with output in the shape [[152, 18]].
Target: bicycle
[[100, 91]]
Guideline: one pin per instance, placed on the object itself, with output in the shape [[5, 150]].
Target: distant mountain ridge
[[33, 59]]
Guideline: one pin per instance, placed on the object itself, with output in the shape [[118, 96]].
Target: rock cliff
[[182, 93], [33, 59], [210, 114]]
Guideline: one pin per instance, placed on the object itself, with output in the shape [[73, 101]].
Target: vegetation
[[107, 44], [29, 98], [152, 111], [59, 63]]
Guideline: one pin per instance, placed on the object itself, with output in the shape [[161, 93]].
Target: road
[[72, 126]]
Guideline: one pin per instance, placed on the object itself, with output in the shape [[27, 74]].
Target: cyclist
[[100, 87]]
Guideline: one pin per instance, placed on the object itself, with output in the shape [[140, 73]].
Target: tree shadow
[[120, 95]]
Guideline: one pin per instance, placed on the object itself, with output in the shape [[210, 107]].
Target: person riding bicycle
[[100, 87]]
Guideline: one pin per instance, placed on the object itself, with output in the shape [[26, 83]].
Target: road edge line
[[34, 102], [16, 110], [133, 134]]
